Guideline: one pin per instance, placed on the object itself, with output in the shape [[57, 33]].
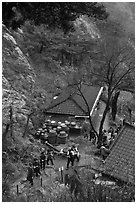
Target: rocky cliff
[[18, 78], [21, 95]]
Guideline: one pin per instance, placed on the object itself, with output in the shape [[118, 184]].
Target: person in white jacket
[[71, 157], [76, 153]]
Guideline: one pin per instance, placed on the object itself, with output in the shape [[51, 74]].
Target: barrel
[[55, 129], [64, 127], [53, 124], [44, 137], [48, 122], [59, 123], [52, 138], [67, 123], [72, 124], [62, 137], [75, 130], [58, 129]]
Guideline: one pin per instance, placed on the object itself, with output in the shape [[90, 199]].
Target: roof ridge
[[52, 106]]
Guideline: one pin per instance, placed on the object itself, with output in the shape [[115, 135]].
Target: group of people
[[109, 136], [72, 154], [87, 132], [35, 168], [107, 139]]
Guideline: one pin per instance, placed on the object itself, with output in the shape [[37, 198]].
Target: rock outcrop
[[18, 78], [20, 93]]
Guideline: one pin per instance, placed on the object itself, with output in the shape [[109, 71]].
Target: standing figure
[[92, 137], [105, 141], [111, 131], [76, 153], [71, 157], [36, 167], [104, 152], [50, 156], [42, 160], [86, 128], [30, 174]]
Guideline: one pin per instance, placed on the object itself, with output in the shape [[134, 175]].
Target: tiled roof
[[67, 107], [70, 102], [121, 161]]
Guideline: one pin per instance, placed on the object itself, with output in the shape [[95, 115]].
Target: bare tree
[[112, 66], [77, 86]]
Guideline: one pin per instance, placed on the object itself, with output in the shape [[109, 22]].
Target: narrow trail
[[52, 174]]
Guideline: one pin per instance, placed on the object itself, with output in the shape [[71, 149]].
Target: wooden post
[[62, 174], [59, 169], [17, 190], [41, 182]]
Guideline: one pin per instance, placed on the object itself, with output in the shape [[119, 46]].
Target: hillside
[[37, 63], [21, 93], [27, 89]]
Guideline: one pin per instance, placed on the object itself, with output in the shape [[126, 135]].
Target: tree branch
[[82, 95], [119, 80]]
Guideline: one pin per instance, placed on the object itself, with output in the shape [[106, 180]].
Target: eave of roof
[[121, 161]]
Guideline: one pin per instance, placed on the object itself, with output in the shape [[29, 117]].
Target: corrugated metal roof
[[121, 161], [71, 102]]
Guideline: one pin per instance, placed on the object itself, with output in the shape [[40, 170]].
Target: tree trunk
[[4, 137], [130, 115], [11, 128], [92, 125], [101, 124], [114, 112], [114, 105], [6, 130], [103, 119], [104, 115]]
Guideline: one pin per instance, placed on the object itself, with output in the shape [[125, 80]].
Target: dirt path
[[52, 173]]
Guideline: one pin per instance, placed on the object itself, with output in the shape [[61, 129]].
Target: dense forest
[[48, 46], [54, 15]]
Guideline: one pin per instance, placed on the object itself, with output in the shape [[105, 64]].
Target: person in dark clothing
[[30, 174], [104, 152], [92, 136], [85, 128], [105, 141], [71, 157], [111, 130], [36, 167], [50, 157], [119, 128], [42, 160]]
